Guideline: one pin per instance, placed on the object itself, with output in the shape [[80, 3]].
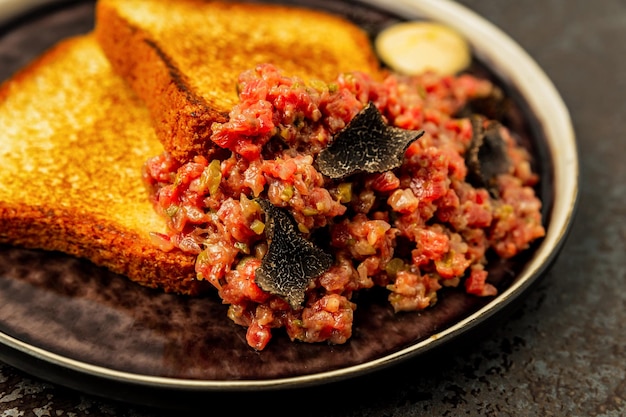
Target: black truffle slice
[[291, 261], [486, 157], [366, 144], [494, 106]]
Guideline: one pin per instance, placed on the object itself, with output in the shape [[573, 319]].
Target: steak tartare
[[261, 213]]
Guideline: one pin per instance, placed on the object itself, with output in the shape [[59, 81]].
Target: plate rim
[[499, 51]]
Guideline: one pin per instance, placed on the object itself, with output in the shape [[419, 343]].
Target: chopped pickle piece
[[212, 176], [257, 226], [345, 192]]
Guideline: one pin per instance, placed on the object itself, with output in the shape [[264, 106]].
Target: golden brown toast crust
[[183, 57], [125, 252], [73, 138], [179, 116]]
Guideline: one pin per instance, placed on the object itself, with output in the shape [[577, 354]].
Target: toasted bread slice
[[183, 57], [73, 138]]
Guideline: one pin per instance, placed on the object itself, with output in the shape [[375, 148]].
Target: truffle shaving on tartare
[[291, 261], [366, 144], [486, 156]]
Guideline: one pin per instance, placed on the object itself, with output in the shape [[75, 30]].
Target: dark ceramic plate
[[71, 322]]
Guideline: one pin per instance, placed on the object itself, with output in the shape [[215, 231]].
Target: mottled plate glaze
[[70, 322]]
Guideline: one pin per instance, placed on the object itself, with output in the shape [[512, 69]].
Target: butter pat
[[416, 47]]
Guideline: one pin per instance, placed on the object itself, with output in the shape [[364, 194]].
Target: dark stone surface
[[564, 352]]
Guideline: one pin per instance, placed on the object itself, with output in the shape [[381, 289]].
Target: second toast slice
[[183, 58]]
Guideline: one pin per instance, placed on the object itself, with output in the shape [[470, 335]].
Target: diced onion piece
[[416, 47]]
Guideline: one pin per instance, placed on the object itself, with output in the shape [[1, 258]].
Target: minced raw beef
[[412, 229]]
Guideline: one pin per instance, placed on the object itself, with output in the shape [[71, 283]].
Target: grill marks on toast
[[177, 76]]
